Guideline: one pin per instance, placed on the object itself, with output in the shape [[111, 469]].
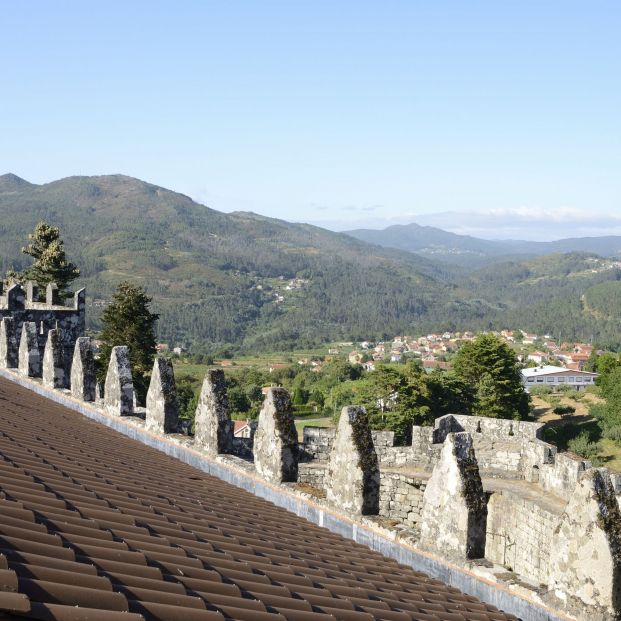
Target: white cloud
[[525, 223]]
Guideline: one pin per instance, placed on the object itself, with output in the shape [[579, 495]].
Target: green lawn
[[261, 361], [314, 422], [611, 453]]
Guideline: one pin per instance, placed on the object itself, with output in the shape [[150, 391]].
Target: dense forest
[[244, 281]]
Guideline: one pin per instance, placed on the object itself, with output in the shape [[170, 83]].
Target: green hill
[[441, 245], [259, 283], [555, 294], [223, 278]]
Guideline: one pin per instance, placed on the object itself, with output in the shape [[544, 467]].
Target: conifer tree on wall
[[50, 261], [128, 320]]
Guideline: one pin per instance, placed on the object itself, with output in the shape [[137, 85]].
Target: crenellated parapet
[[83, 379], [24, 304], [585, 564], [29, 356]]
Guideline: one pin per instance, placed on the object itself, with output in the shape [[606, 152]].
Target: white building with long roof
[[554, 377]]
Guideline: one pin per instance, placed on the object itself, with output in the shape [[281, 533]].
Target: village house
[[508, 335], [242, 429], [528, 339], [537, 356], [355, 357], [580, 359], [432, 365]]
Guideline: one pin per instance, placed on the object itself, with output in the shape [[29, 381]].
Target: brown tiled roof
[[95, 526]]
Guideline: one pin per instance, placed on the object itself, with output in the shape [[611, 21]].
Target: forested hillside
[[223, 278], [435, 243], [253, 282], [560, 294]]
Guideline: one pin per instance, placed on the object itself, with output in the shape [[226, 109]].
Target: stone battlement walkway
[[499, 484]]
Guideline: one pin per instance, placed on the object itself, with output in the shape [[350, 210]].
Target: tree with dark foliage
[[129, 321], [489, 365], [50, 262]]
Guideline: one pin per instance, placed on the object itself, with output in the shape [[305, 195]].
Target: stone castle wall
[[519, 532], [401, 497], [23, 305]]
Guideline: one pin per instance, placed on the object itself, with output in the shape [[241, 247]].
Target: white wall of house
[[577, 380]]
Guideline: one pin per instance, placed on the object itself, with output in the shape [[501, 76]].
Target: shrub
[[598, 411], [583, 447], [613, 433], [575, 395], [540, 391], [564, 410]]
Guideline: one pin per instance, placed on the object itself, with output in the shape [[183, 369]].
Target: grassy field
[[544, 411], [262, 362], [611, 454], [579, 422], [313, 422]]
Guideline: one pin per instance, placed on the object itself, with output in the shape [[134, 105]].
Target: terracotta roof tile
[[96, 526]]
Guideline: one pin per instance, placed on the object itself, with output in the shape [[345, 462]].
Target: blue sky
[[498, 118]]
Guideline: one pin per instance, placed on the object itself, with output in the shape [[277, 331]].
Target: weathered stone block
[[585, 560], [32, 291], [52, 294], [213, 428], [119, 388], [162, 408], [28, 355], [8, 343], [454, 514], [83, 379], [276, 440], [353, 480], [53, 366], [15, 298]]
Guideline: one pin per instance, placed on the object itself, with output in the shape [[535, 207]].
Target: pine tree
[[491, 368], [488, 401], [50, 265], [129, 321]]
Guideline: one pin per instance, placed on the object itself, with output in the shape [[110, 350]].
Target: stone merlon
[[119, 388], [162, 408], [276, 441], [454, 512], [353, 480], [213, 427]]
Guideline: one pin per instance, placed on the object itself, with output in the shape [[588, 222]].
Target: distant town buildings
[[434, 351]]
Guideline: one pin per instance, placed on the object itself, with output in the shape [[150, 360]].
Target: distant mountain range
[[221, 278], [245, 281], [438, 244]]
